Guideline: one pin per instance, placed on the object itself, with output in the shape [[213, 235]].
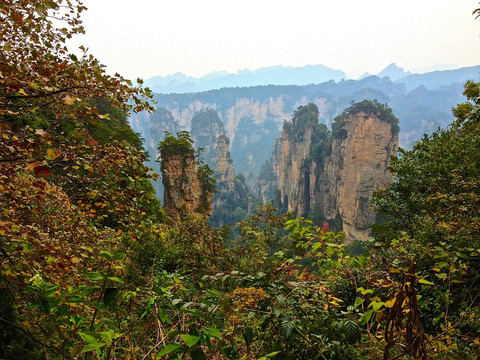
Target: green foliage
[[232, 206], [182, 145], [383, 112], [434, 197]]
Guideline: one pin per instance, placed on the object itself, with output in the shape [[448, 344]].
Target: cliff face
[[252, 121], [225, 173], [361, 161], [186, 189], [292, 171], [332, 177]]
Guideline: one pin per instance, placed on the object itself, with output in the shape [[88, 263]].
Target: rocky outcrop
[[187, 188], [361, 162], [331, 176], [225, 173]]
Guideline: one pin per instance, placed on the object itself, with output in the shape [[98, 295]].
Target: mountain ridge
[[180, 83]]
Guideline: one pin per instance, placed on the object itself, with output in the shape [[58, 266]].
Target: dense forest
[[91, 268]]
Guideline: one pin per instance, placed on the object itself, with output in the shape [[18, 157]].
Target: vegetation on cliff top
[[381, 111]]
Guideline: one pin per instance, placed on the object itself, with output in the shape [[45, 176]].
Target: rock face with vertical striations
[[225, 172], [330, 176], [187, 189], [361, 158]]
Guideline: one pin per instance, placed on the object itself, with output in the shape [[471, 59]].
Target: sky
[[146, 38]]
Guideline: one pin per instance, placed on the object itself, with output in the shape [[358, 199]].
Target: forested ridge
[[91, 269]]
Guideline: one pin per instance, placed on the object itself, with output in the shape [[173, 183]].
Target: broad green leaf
[[163, 316], [213, 332], [87, 337], [190, 340], [376, 305], [116, 279], [358, 302], [119, 257], [106, 255], [176, 301], [93, 346], [168, 349], [93, 276], [366, 317]]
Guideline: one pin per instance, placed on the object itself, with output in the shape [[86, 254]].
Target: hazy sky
[[145, 38]]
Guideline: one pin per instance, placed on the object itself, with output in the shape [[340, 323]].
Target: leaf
[[87, 337], [69, 100], [163, 316], [119, 257], [176, 301], [287, 327], [213, 332], [168, 349], [93, 346], [52, 154], [423, 281], [116, 279], [390, 303], [366, 317], [248, 335], [358, 302], [94, 276], [190, 340], [365, 292], [197, 354], [106, 255], [376, 305], [42, 170], [268, 356], [351, 330]]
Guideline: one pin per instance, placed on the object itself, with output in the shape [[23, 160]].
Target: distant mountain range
[[274, 75], [310, 74]]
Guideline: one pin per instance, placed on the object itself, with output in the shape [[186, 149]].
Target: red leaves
[[42, 170]]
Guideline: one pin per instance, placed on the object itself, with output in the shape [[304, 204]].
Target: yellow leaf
[[21, 91], [33, 165], [76, 260], [390, 303], [424, 281], [69, 100], [52, 154]]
